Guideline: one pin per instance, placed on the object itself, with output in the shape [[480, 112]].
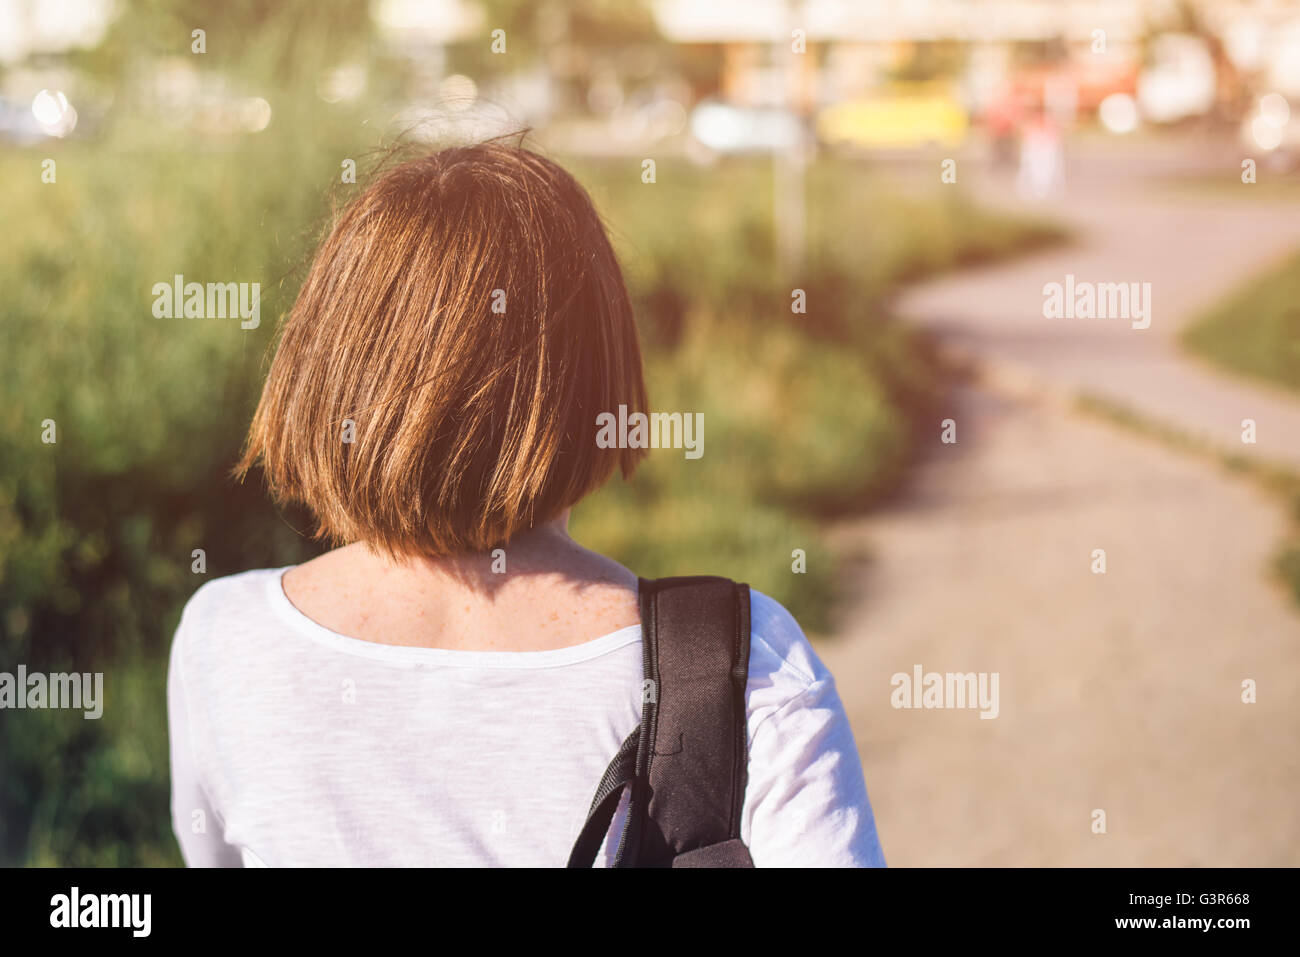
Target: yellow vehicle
[[901, 117]]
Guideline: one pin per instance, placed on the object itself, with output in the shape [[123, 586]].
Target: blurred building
[[912, 72]]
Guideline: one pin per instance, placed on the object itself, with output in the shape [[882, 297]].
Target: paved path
[[1121, 691], [1191, 247]]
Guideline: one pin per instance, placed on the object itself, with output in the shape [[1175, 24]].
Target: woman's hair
[[436, 386]]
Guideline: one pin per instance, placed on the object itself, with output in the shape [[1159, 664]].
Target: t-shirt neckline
[[455, 657]]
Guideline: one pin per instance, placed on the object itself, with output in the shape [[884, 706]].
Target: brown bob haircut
[[436, 385]]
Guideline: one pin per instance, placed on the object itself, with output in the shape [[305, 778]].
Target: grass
[[1279, 481], [1255, 332]]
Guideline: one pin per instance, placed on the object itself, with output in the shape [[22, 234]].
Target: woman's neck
[[542, 590]]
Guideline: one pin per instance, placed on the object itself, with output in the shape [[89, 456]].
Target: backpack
[[686, 763]]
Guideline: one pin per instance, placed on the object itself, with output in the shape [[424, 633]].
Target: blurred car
[[901, 117], [724, 128], [1179, 80]]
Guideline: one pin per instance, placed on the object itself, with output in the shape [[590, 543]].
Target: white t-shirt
[[292, 745]]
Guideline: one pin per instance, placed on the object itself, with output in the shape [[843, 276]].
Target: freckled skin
[[554, 594]]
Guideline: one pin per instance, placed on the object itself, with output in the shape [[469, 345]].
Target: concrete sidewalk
[[1192, 249]]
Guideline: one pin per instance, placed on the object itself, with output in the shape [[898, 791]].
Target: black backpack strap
[[609, 792], [687, 762]]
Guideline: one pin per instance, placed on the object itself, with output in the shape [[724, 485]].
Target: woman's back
[[295, 744]]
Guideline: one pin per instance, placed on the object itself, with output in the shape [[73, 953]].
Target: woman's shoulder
[[221, 638], [245, 590], [230, 607], [782, 661]]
